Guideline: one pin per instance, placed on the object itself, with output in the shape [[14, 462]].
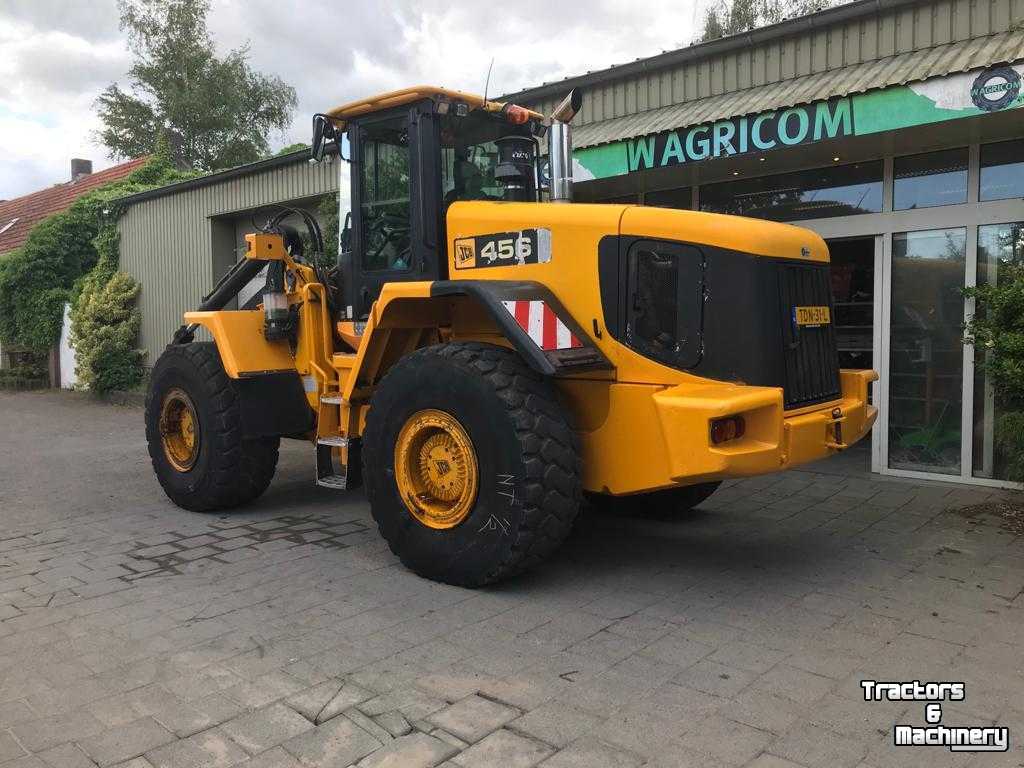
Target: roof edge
[[697, 51], [217, 177]]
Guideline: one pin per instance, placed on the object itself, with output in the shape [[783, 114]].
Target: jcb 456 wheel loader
[[480, 358]]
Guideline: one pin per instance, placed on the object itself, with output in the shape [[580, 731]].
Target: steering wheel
[[390, 228]]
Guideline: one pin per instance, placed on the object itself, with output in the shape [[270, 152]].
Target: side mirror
[[323, 129]]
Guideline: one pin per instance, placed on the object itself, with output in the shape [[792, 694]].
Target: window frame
[[876, 181], [981, 170], [964, 150]]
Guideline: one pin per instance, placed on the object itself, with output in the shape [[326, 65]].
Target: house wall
[[178, 244]]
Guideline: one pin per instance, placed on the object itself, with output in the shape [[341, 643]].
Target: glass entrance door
[[995, 427], [925, 365]]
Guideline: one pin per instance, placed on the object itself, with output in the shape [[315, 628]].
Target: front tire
[[194, 432], [470, 465]]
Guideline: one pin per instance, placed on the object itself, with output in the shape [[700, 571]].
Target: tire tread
[[240, 469], [550, 451]]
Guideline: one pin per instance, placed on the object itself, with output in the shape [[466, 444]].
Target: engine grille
[[811, 371]]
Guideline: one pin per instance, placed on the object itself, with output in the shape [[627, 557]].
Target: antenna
[[487, 82]]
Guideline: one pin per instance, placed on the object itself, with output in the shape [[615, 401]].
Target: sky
[[56, 56]]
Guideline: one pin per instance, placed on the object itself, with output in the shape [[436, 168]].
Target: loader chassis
[[484, 362]]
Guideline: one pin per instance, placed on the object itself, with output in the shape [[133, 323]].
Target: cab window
[[485, 158], [384, 196]]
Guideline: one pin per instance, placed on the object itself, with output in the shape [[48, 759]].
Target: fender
[[534, 321], [243, 348], [262, 371]]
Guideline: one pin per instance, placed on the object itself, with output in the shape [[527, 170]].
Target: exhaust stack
[[560, 147]]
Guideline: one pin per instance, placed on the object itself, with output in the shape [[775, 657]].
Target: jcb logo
[[465, 253]]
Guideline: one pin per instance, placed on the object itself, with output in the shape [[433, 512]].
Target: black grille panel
[[811, 372]]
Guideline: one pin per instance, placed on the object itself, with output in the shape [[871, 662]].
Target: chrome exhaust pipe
[[560, 147]]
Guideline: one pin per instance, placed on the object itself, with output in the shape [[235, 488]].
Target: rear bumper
[[774, 439]]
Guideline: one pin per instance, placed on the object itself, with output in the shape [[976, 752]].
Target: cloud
[[56, 56], [95, 20]]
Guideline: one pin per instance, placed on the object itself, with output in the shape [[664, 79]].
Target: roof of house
[[218, 177], [18, 216]]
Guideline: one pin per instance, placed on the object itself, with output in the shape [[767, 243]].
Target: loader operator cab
[[408, 165]]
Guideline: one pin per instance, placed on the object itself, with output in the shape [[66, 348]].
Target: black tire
[[529, 466], [228, 470], [667, 503]]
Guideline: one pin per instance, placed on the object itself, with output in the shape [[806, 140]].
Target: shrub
[[997, 333], [104, 328]]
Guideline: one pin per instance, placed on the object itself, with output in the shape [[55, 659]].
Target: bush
[[997, 333], [104, 328]]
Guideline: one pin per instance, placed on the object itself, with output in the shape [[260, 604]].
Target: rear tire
[[520, 464], [667, 503], [223, 469]]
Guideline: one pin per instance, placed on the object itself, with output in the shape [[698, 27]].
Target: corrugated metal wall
[[166, 242], [900, 30]]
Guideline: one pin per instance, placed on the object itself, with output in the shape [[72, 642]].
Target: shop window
[[681, 198], [926, 181], [1002, 170], [1000, 249], [840, 190], [581, 196], [926, 351]]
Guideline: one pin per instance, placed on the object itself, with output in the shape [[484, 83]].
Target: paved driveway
[[287, 634]]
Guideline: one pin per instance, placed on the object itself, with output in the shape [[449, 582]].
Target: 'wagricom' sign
[[737, 136]]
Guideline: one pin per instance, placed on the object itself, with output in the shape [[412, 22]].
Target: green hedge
[[16, 378]]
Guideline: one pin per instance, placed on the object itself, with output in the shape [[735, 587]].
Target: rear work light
[[729, 428], [515, 114]]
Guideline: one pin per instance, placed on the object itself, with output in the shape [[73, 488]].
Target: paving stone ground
[[286, 634]]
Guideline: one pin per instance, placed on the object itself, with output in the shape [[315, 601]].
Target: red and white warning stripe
[[541, 323]]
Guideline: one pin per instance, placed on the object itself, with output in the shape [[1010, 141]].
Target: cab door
[[395, 190]]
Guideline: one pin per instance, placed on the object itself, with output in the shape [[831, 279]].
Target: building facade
[[178, 240], [896, 131]]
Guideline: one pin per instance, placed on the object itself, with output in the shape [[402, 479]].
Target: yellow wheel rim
[[179, 430], [436, 469]]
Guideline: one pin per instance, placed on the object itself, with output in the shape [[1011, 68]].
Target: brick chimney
[[80, 167]]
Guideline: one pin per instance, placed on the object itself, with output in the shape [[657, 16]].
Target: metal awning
[[882, 73]]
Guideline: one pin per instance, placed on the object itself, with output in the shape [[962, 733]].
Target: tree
[[291, 148], [213, 112], [731, 17]]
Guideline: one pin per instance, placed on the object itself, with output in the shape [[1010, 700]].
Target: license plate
[[811, 316]]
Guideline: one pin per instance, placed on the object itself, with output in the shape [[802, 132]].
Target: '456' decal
[[503, 249]]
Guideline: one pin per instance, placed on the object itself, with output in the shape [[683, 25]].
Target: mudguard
[[534, 321]]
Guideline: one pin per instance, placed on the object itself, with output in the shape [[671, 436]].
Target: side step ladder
[[338, 462], [338, 459]]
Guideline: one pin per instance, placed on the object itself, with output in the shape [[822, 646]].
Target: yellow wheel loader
[[481, 359]]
